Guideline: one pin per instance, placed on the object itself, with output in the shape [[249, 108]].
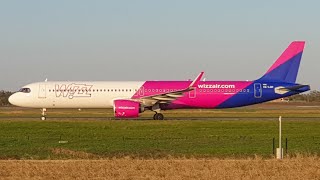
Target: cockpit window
[[25, 90]]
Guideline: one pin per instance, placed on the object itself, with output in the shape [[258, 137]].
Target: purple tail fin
[[286, 67]]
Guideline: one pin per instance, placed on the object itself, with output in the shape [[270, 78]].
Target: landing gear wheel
[[43, 114], [158, 116]]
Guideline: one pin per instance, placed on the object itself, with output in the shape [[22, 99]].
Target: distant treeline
[[4, 96], [313, 96]]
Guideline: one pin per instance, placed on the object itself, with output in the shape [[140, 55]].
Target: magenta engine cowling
[[127, 109]]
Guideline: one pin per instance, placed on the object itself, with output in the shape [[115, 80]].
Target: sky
[[123, 40]]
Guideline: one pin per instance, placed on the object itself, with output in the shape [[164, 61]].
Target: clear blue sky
[[153, 40]]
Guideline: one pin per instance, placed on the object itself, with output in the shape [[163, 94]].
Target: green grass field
[[224, 135]]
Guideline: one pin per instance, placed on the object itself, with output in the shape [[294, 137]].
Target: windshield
[[25, 90]]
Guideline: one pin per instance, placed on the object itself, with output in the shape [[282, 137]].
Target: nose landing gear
[[43, 114]]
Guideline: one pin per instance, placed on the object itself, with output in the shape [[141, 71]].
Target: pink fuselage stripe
[[208, 94]]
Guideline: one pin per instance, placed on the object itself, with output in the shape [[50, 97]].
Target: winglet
[[197, 80]]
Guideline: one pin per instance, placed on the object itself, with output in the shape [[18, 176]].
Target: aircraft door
[[193, 93], [42, 91], [257, 90], [141, 91]]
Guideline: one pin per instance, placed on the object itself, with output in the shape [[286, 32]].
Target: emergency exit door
[[141, 91], [193, 93]]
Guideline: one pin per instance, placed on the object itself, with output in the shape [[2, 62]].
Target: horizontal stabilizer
[[294, 88]]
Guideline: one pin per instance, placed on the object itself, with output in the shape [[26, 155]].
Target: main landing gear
[[158, 116], [43, 114]]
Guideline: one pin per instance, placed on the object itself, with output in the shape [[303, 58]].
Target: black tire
[[161, 116], [158, 116], [43, 118]]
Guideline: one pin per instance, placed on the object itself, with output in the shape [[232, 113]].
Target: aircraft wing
[[164, 98]]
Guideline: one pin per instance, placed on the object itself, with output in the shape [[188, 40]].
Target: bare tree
[[4, 96]]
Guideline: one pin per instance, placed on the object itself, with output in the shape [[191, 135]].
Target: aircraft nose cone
[[12, 99]]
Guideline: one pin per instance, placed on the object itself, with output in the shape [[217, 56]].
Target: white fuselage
[[75, 94]]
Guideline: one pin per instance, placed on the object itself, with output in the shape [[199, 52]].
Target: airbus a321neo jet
[[129, 99]]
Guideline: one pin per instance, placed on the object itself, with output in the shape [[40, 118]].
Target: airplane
[[129, 99]]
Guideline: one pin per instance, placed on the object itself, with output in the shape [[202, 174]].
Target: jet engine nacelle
[[127, 109]]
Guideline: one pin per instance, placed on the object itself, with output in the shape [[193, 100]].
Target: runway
[[166, 119]]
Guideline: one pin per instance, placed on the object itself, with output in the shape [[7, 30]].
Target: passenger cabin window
[[25, 90]]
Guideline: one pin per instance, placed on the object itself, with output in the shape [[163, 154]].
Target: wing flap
[[163, 98], [175, 95]]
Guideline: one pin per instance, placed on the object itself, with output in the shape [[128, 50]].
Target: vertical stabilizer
[[286, 67]]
